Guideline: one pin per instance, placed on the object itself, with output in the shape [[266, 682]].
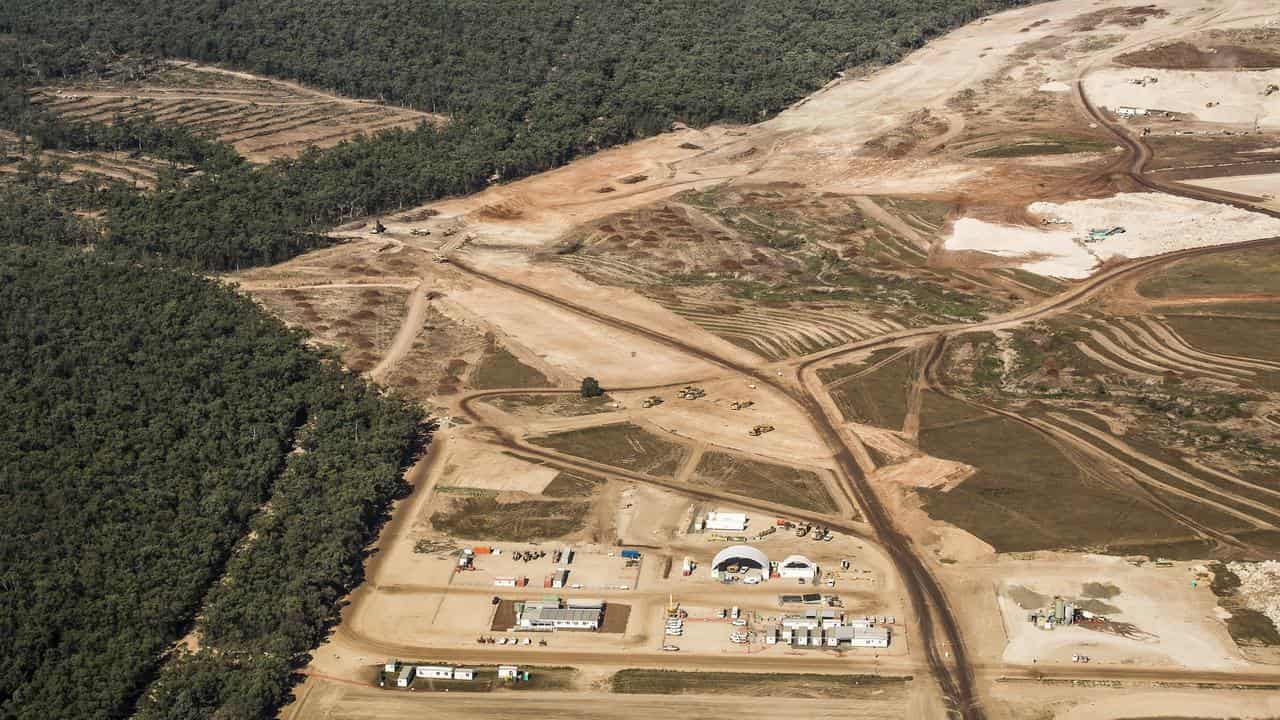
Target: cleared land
[[1242, 273], [766, 481], [1250, 337], [486, 518], [880, 396], [498, 368], [360, 322], [1027, 495], [621, 445], [567, 405], [264, 119]]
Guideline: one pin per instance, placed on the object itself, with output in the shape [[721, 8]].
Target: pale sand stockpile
[[1237, 96], [1154, 223]]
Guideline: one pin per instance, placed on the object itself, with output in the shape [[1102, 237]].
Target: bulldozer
[[378, 227], [741, 404], [690, 392], [651, 401], [759, 430]]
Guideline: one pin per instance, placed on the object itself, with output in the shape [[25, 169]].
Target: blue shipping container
[[633, 554]]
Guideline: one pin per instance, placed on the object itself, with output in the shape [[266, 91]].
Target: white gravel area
[[1154, 223], [1224, 96]]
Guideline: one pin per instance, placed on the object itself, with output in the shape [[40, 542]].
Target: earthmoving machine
[[378, 227], [741, 404], [438, 258], [419, 232], [759, 430], [1100, 234], [651, 401], [689, 392]]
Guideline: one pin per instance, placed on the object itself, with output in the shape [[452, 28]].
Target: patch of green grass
[[1039, 282], [1256, 270], [1230, 336], [568, 484], [921, 212], [621, 445], [1044, 145], [939, 411], [1028, 496], [789, 685], [484, 518], [764, 481], [1264, 310], [566, 405], [878, 398], [837, 372], [498, 368]]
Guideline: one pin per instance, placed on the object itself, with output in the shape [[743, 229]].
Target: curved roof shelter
[[740, 555], [797, 562]]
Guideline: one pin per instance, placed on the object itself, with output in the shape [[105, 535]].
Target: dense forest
[[170, 452], [148, 416], [527, 86]]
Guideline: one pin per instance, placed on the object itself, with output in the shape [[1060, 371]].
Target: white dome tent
[[740, 557], [798, 566]]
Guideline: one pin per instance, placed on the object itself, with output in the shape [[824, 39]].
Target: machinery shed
[[739, 557]]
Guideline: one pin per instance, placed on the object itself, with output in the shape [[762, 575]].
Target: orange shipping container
[[481, 550]]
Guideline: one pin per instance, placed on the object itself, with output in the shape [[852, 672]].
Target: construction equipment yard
[[940, 347]]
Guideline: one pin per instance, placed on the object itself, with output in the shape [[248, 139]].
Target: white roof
[[797, 561], [727, 515], [745, 552]]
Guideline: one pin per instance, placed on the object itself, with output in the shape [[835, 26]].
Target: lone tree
[[591, 388]]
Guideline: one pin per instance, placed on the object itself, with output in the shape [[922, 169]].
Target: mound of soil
[[1185, 56]]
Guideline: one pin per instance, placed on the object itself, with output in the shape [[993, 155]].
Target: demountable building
[[721, 520]]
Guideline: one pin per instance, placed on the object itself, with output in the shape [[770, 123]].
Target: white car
[[670, 648], [740, 622]]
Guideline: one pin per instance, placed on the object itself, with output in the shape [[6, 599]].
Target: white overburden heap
[[1154, 223]]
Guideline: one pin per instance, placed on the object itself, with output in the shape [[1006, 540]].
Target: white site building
[[554, 614], [724, 520], [831, 637], [798, 567]]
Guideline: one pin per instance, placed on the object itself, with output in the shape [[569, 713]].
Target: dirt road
[[405, 336]]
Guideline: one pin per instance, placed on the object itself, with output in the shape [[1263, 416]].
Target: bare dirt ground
[[874, 174], [263, 118]]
